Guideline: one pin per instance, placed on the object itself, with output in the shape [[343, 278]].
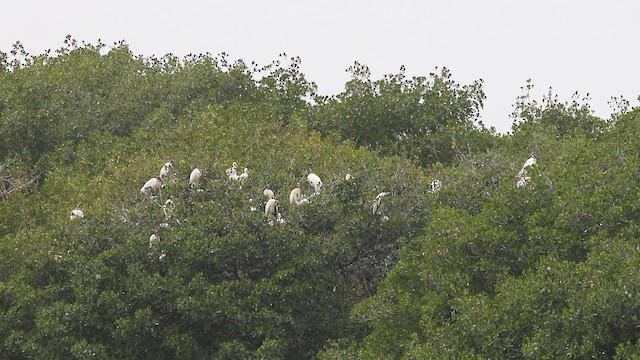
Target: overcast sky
[[589, 46]]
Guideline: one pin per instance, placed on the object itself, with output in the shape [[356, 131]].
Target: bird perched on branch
[[522, 174], [244, 175], [296, 197], [436, 185], [152, 185], [232, 171], [269, 194], [377, 203], [315, 181], [271, 209], [530, 162], [165, 170], [76, 214], [194, 178]]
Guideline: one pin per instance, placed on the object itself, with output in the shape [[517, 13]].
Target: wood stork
[[244, 175], [194, 178], [168, 208], [377, 203], [523, 181], [231, 174], [153, 239], [232, 171], [269, 194], [315, 181], [295, 197], [271, 209], [152, 185], [436, 185], [165, 170], [522, 174], [530, 162], [76, 214]]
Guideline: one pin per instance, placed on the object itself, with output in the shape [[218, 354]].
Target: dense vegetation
[[480, 268]]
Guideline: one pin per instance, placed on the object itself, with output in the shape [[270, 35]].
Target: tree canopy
[[470, 254]]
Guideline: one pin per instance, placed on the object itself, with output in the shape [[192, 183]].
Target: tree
[[553, 117], [427, 119], [541, 271]]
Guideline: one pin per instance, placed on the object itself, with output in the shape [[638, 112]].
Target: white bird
[[522, 174], [232, 171], [244, 175], [153, 239], [523, 181], [168, 208], [76, 214], [295, 197], [436, 185], [166, 168], [377, 203], [348, 177], [269, 194], [232, 174], [530, 162], [151, 186], [194, 177], [314, 180], [271, 209]]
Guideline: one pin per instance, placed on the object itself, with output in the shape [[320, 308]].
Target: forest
[[431, 236]]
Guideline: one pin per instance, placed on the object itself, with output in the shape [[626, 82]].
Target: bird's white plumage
[[232, 174], [530, 162], [153, 184], [232, 171], [166, 168], [244, 175], [522, 174], [153, 239], [194, 177], [436, 185], [377, 203], [168, 208], [296, 197], [315, 181], [269, 194], [271, 209], [76, 214], [522, 181]]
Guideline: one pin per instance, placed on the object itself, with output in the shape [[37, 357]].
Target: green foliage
[[479, 268], [221, 282], [532, 274], [428, 119], [553, 118]]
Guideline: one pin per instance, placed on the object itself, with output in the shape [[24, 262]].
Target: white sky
[[589, 46]]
